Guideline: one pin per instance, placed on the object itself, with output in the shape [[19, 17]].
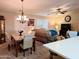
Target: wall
[[75, 20], [11, 24], [54, 20], [57, 20], [9, 21]]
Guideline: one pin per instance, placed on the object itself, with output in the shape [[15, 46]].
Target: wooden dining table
[[16, 39]]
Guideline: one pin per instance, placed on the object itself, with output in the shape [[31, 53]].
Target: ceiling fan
[[58, 11]]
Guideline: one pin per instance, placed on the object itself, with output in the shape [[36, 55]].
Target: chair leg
[[30, 50], [24, 53], [25, 50], [8, 47], [20, 49], [12, 46]]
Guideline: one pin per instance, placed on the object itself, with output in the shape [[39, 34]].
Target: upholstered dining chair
[[71, 33], [8, 40], [27, 44]]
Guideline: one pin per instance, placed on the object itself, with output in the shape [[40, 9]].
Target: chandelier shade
[[22, 18]]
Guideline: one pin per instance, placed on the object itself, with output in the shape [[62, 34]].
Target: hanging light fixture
[[22, 18]]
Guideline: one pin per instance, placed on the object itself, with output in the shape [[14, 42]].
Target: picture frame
[[31, 22]]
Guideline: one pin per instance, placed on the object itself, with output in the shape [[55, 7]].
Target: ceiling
[[39, 7]]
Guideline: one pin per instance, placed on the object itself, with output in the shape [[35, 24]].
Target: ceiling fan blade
[[59, 8], [64, 11]]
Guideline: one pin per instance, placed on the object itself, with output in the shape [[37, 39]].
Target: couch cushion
[[42, 35], [53, 32], [77, 33]]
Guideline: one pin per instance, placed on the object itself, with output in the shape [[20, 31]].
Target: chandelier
[[22, 18]]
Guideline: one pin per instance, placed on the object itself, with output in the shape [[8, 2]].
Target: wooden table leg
[[17, 49], [16, 46], [34, 44], [16, 53]]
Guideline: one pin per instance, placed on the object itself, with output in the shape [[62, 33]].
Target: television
[[66, 27]]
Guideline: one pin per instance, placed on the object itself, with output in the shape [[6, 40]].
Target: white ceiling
[[37, 6]]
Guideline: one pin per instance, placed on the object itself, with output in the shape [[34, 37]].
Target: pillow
[[77, 33], [53, 32]]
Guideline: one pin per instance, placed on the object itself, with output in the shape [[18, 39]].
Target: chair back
[[8, 37], [28, 41], [72, 33]]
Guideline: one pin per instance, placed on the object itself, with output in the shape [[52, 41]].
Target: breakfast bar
[[67, 48]]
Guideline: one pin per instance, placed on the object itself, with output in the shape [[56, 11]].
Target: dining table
[[16, 39]]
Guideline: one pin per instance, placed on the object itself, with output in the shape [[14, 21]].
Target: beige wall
[[11, 24], [75, 20], [57, 20], [54, 20], [9, 21]]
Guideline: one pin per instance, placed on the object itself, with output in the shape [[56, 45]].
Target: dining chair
[[72, 33], [27, 44], [8, 40]]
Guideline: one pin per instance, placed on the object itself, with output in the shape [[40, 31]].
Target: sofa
[[44, 36]]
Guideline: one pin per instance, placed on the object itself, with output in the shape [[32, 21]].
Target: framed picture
[[31, 22]]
